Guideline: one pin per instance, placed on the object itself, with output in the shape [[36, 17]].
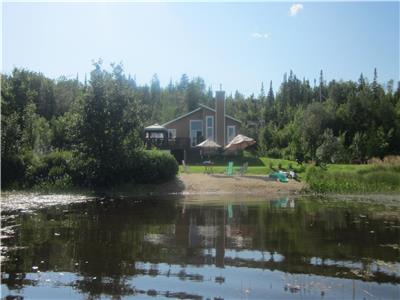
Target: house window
[[172, 133], [210, 127], [196, 132], [231, 133]]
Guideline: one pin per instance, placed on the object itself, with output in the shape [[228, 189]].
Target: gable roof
[[196, 110], [226, 116]]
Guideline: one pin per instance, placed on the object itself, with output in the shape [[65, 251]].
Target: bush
[[52, 169], [60, 169], [155, 166]]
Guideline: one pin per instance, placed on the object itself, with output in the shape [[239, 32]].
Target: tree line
[[95, 126], [63, 132], [332, 122]]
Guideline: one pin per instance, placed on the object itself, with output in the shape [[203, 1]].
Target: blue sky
[[236, 44]]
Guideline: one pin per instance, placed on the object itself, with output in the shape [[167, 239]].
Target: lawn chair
[[243, 169], [185, 167], [229, 169]]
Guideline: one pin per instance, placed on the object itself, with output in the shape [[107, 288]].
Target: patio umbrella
[[208, 144], [240, 142]]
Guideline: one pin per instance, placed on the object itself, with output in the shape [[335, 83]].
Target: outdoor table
[[208, 166]]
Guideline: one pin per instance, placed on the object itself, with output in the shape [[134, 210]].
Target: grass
[[257, 165], [335, 178], [354, 179]]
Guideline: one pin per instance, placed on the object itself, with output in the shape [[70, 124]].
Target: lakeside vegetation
[[65, 133], [372, 179], [379, 176]]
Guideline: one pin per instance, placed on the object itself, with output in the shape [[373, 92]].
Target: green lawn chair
[[229, 169]]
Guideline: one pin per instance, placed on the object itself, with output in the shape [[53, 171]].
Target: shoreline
[[194, 187], [196, 184]]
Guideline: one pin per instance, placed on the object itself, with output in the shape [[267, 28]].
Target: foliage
[[100, 121], [62, 132], [52, 169], [109, 126], [331, 150], [383, 178], [154, 166]]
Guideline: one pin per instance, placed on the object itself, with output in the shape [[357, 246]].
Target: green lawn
[[347, 167], [257, 165], [258, 170]]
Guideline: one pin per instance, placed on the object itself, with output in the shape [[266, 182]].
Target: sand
[[221, 184]]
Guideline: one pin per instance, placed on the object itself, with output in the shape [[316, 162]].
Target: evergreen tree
[[262, 93]]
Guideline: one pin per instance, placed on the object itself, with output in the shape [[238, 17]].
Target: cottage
[[188, 130]]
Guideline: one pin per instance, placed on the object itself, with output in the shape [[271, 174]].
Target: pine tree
[[321, 85], [270, 96], [262, 92], [375, 85], [361, 82]]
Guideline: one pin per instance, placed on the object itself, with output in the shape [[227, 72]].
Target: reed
[[375, 178]]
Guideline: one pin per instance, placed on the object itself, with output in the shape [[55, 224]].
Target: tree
[[36, 132], [270, 96], [314, 122], [155, 92], [110, 126], [262, 93], [195, 93], [331, 149]]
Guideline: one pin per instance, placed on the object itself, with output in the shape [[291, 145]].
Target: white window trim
[[190, 130], [208, 127], [173, 131], [227, 133]]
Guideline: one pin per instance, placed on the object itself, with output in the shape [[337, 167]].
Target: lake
[[195, 248]]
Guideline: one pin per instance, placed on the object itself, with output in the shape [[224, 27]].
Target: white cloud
[[258, 35], [295, 9]]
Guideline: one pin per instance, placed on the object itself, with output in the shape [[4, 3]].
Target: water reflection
[[186, 250]]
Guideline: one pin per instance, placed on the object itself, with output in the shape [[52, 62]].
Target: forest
[[88, 131]]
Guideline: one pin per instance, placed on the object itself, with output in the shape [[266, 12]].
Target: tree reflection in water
[[111, 247]]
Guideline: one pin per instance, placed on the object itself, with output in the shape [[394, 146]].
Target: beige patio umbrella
[[208, 144], [240, 142]]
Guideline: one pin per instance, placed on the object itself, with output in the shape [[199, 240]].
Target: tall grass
[[376, 178]]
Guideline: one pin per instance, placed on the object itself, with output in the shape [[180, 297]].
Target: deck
[[167, 144]]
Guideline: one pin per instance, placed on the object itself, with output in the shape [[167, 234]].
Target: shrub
[[154, 166], [61, 169], [52, 169]]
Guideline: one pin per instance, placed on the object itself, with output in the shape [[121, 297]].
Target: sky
[[238, 45]]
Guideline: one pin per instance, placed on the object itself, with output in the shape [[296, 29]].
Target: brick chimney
[[220, 117]]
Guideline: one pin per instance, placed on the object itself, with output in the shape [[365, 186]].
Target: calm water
[[281, 249]]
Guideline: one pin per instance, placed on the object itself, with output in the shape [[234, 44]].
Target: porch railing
[[168, 143]]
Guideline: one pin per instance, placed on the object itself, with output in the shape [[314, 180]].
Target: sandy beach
[[193, 184]]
